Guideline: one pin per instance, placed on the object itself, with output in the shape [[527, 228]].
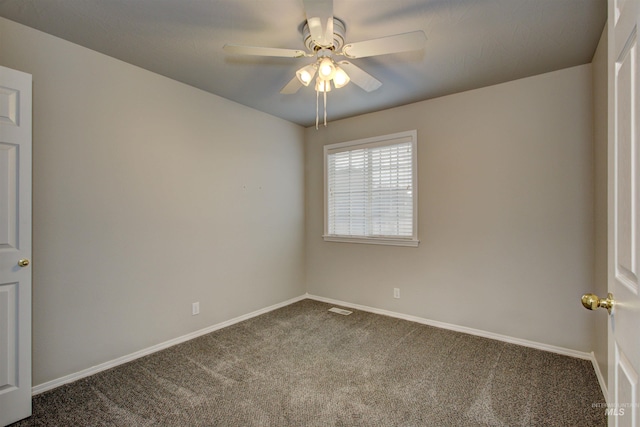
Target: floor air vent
[[340, 311]]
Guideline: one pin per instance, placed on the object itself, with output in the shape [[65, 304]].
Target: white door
[[15, 245], [624, 212]]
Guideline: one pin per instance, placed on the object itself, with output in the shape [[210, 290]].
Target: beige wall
[[149, 195], [600, 136], [505, 212]]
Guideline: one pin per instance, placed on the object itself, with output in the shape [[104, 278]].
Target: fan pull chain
[[325, 107], [324, 98]]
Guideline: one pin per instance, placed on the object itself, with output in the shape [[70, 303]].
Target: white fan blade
[[320, 19], [392, 44], [291, 87], [237, 49], [360, 77]]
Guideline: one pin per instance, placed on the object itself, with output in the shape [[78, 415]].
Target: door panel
[[624, 212], [626, 268], [626, 379], [15, 245], [9, 106], [8, 337], [8, 197]]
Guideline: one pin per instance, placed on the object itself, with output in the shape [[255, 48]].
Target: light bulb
[[323, 85], [306, 73], [305, 76], [326, 69], [340, 78]]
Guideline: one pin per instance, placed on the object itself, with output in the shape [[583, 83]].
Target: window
[[370, 190]]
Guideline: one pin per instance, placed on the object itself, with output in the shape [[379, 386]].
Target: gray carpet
[[304, 366]]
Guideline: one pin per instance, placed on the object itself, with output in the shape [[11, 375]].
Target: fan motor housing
[[339, 30]]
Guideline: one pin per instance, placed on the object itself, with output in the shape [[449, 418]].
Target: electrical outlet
[[396, 292], [195, 308]]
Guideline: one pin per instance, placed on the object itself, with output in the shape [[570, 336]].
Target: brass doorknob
[[23, 262], [592, 302]]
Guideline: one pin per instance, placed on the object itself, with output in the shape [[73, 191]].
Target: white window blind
[[370, 190]]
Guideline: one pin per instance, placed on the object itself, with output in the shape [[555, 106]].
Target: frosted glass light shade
[[326, 69], [306, 73], [340, 78], [323, 85]]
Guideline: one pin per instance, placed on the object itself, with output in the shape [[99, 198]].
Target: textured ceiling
[[471, 44]]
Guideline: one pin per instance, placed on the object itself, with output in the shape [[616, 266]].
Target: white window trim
[[412, 241]]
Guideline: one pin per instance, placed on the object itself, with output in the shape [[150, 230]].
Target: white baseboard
[[128, 358], [138, 354], [463, 329]]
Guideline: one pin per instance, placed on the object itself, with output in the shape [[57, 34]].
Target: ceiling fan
[[324, 38]]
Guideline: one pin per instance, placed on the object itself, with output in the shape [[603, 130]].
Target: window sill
[[373, 240]]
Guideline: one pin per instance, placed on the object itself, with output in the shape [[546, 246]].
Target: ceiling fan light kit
[[324, 37]]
